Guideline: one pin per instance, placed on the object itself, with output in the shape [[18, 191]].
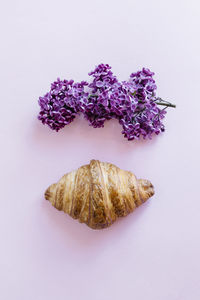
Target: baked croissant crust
[[98, 193]]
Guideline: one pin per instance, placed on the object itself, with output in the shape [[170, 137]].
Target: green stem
[[166, 104], [92, 95], [160, 101]]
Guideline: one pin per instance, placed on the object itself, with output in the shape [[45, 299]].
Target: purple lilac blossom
[[132, 103], [61, 104], [97, 107], [144, 118]]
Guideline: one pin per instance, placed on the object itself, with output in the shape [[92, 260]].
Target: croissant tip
[[146, 189], [47, 194], [150, 189]]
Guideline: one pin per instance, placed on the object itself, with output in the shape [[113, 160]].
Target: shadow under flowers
[[81, 142]]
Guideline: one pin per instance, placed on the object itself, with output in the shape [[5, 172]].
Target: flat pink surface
[[153, 253]]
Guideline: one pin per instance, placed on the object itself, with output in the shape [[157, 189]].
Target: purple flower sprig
[[133, 103]]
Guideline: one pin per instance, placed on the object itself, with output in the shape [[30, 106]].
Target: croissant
[[98, 193]]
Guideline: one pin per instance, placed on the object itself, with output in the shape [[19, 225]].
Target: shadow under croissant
[[81, 238], [99, 193]]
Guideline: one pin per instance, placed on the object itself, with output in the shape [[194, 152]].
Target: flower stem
[[166, 104], [160, 101]]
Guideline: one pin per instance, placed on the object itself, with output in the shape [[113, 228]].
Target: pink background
[[153, 253]]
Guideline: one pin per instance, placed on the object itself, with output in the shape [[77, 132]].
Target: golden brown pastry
[[99, 193]]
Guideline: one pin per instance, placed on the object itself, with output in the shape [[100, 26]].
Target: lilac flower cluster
[[61, 104], [133, 103], [144, 117], [96, 108]]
